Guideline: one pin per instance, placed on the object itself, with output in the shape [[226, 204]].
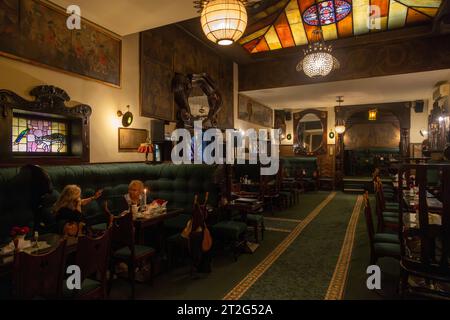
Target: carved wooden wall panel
[[358, 61]]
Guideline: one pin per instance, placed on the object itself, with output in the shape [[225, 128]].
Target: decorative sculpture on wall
[[183, 87]]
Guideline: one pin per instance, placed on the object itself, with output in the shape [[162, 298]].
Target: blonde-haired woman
[[67, 208]]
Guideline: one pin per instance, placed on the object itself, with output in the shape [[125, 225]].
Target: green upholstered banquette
[[178, 184], [293, 166]]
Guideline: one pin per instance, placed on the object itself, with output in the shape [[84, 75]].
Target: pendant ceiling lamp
[[373, 115], [223, 21], [340, 124], [318, 60]]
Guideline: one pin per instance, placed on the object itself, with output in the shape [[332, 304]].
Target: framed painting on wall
[[131, 139], [254, 112], [36, 32]]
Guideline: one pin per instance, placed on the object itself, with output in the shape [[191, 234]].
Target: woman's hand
[[97, 194]]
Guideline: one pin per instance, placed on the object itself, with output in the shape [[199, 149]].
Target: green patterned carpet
[[305, 269], [302, 271]]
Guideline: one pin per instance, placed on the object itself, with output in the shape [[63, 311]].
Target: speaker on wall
[[418, 106], [156, 130]]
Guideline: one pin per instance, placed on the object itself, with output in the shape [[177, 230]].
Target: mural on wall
[[376, 135], [252, 111], [167, 51], [36, 32]]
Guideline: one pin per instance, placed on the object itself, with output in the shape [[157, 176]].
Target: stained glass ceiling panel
[[290, 23]]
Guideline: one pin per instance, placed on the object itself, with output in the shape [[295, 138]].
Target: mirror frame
[[182, 86], [323, 117]]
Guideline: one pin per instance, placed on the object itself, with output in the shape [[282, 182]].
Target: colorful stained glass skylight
[[290, 23]]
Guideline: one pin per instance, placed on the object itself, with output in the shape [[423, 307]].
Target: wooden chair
[[387, 201], [385, 219], [92, 257], [269, 191], [381, 244], [39, 276], [124, 249]]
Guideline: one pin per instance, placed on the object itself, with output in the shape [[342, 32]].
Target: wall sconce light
[[373, 115], [424, 133], [331, 134], [127, 117]]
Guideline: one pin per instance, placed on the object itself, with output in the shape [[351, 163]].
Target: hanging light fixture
[[318, 60], [340, 124], [373, 115], [223, 21]]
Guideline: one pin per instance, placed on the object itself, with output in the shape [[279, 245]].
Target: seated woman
[[67, 209]]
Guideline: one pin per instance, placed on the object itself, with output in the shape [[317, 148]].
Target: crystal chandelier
[[318, 60], [223, 21]]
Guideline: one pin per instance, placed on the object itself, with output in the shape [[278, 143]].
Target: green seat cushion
[[177, 223], [390, 220], [387, 249], [386, 238], [258, 218], [87, 286], [99, 227], [390, 214], [125, 252], [392, 205], [229, 229]]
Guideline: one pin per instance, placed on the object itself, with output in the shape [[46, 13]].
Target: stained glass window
[[38, 135]]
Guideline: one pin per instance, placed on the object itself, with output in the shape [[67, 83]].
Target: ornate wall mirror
[[197, 99], [310, 136]]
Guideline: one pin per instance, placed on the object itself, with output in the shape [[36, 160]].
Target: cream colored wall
[[105, 100]]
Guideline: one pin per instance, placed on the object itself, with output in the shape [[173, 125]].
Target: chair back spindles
[[123, 232], [368, 216], [93, 254], [39, 276], [425, 245]]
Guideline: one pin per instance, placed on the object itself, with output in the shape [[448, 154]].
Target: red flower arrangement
[[19, 231]]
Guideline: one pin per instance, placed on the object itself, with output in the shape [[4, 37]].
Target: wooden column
[[404, 142], [339, 159]]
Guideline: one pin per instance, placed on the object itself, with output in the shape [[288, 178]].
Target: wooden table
[[6, 262], [412, 201], [146, 222]]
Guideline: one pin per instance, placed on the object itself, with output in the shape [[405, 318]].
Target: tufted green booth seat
[[295, 165], [364, 161], [177, 184]]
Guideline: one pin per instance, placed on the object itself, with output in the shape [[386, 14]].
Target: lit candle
[[145, 197]]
